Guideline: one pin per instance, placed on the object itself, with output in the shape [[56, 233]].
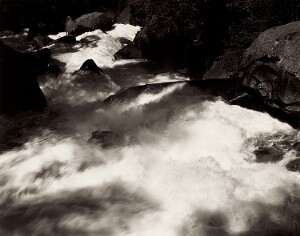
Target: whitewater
[[180, 164]]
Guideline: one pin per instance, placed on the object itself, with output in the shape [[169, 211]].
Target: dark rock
[[271, 67], [19, 89], [105, 138], [35, 30], [81, 29], [41, 41], [66, 39], [124, 41], [54, 70], [129, 52], [95, 20], [268, 154], [125, 16], [6, 33], [296, 147], [226, 66], [70, 25], [90, 65], [294, 165]]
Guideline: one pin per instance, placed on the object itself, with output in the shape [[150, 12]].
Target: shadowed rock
[[95, 20], [90, 65], [271, 67], [19, 89], [129, 52], [294, 165], [66, 39], [40, 41]]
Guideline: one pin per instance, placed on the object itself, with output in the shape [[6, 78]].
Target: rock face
[[95, 20], [41, 41], [271, 67], [90, 65], [66, 39], [225, 67], [19, 89], [129, 52]]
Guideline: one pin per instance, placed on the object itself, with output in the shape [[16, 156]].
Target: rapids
[[184, 166]]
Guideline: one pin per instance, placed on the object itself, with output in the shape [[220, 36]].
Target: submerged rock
[[106, 138], [225, 67], [294, 165], [268, 154], [271, 67], [19, 90]]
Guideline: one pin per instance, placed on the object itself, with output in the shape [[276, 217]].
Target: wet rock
[[268, 154], [81, 29], [271, 67], [294, 165], [66, 39], [225, 67], [19, 89], [129, 52], [40, 41], [125, 16], [70, 25], [296, 147], [124, 41], [106, 138], [90, 65], [54, 170], [95, 20]]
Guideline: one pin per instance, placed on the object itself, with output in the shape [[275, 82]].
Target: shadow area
[[91, 211]]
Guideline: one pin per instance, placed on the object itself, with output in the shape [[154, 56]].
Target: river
[[174, 164]]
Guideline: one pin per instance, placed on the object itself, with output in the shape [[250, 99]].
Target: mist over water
[[182, 165]]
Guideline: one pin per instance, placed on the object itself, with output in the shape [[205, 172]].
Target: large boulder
[[40, 41], [271, 67], [19, 89], [129, 52], [95, 20], [225, 67]]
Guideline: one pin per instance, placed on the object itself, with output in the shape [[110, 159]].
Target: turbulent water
[[177, 164]]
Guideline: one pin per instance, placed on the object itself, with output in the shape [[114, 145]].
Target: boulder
[[268, 154], [294, 165], [81, 29], [129, 52], [19, 89], [40, 41], [125, 16], [95, 20], [225, 67], [90, 65], [66, 39], [70, 25], [271, 68], [106, 139]]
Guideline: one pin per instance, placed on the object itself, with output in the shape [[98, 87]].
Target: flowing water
[[177, 164]]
